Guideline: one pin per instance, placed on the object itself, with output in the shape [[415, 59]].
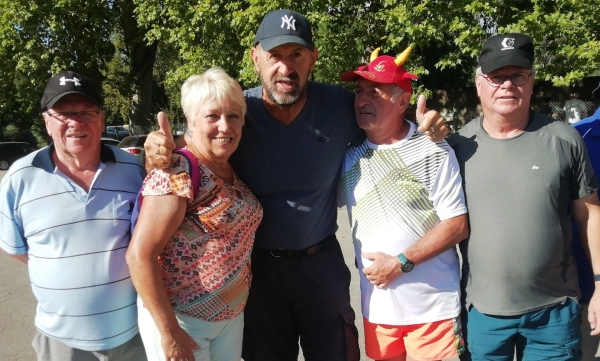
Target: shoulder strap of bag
[[193, 165]]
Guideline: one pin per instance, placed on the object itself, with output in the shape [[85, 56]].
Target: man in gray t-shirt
[[524, 176]]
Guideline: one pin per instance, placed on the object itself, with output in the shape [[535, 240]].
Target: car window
[[133, 141]]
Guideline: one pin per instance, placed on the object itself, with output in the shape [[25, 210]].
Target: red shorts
[[440, 340]]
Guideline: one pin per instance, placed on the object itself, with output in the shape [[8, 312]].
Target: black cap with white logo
[[505, 50], [283, 27], [69, 82]]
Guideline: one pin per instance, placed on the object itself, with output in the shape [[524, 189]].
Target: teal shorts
[[551, 333]]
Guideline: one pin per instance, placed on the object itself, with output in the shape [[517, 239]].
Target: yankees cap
[[69, 82], [505, 50], [284, 27]]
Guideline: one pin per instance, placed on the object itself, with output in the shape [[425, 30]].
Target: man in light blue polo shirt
[[65, 212], [589, 128]]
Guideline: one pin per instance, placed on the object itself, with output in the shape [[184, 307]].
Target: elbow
[[462, 229], [132, 257]]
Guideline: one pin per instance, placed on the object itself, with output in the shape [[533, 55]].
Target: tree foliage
[[142, 50]]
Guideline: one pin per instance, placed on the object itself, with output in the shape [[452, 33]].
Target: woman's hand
[[178, 345], [159, 145]]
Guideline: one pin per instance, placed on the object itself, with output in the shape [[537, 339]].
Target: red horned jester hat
[[384, 69]]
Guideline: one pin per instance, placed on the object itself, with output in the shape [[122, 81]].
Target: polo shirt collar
[[43, 159]]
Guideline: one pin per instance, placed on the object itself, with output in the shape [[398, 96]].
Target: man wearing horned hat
[[407, 212], [293, 143]]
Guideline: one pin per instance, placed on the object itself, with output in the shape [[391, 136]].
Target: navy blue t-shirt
[[294, 169]]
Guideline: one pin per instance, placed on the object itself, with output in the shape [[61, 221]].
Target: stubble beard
[[287, 98]]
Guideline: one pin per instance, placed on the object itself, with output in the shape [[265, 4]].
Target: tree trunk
[[142, 56]]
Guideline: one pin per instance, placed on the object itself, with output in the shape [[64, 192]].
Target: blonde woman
[[190, 252]]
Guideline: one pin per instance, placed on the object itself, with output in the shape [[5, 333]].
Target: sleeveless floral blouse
[[206, 264]]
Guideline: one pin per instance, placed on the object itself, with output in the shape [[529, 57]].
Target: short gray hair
[[213, 85], [395, 92]]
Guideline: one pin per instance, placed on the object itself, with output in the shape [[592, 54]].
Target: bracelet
[[596, 278]]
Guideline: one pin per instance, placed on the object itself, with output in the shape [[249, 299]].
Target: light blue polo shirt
[[76, 242]]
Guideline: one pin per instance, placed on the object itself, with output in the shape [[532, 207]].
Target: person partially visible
[[407, 213], [525, 176], [574, 109], [589, 128], [66, 212], [295, 139], [190, 255], [545, 108]]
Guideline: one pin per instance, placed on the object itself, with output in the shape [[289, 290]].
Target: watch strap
[[596, 278]]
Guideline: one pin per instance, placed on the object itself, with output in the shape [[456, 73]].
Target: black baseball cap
[[69, 82], [505, 50], [283, 27]]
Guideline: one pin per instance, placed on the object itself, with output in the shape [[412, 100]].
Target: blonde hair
[[213, 85]]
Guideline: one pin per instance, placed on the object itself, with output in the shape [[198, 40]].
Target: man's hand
[[385, 268], [159, 145], [430, 122], [594, 313]]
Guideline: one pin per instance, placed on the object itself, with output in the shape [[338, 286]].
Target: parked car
[[116, 132], [134, 144], [110, 141], [11, 151]]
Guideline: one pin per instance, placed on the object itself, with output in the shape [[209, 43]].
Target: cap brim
[[53, 101], [511, 60], [356, 74], [270, 43]]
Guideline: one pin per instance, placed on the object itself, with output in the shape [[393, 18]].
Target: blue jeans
[[549, 333]]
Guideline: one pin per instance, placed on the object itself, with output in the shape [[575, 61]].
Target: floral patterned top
[[206, 264]]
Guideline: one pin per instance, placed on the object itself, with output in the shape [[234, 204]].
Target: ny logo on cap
[[380, 67], [63, 81], [289, 20], [508, 43]]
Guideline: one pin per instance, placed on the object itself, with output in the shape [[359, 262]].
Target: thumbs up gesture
[[430, 122], [159, 145]]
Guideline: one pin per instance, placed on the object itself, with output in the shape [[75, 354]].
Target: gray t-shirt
[[519, 191], [294, 169]]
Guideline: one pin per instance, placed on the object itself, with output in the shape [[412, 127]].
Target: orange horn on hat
[[374, 54], [400, 59]]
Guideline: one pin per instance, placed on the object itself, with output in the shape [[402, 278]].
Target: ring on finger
[[159, 158]]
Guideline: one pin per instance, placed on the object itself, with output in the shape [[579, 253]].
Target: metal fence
[[558, 112]]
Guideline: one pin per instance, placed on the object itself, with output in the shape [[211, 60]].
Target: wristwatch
[[406, 265]]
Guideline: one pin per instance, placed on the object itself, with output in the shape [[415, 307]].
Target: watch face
[[407, 266]]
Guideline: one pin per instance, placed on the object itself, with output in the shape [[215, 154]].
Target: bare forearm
[[586, 212], [149, 284], [445, 235]]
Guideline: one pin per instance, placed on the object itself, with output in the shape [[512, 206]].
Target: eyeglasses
[[499, 79], [87, 116]]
